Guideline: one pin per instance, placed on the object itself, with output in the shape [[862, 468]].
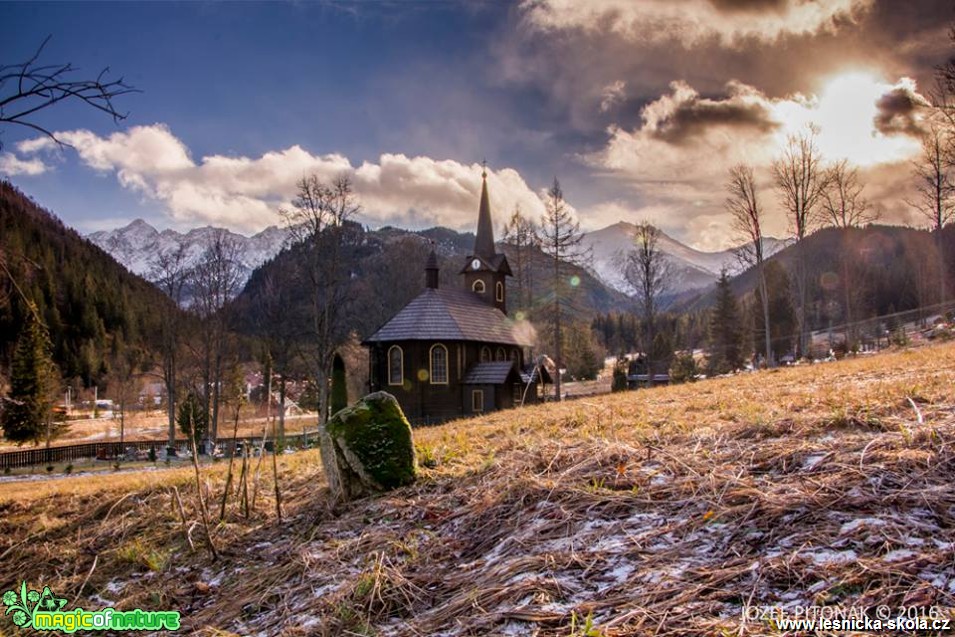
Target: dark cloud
[[900, 111], [684, 115], [749, 6], [688, 116]]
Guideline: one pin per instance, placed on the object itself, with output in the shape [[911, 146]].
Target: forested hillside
[[387, 268], [94, 308], [874, 270]]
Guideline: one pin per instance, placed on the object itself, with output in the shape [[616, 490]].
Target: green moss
[[376, 431]]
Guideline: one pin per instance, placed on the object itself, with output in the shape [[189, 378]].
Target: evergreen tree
[[28, 411], [725, 333], [192, 417], [561, 241], [339, 396]]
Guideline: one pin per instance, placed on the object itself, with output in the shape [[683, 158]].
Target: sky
[[639, 108]]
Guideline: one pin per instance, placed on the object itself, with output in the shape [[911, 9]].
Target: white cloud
[[612, 94], [11, 165], [693, 22], [245, 193]]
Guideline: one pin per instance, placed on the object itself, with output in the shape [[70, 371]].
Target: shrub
[[684, 368]]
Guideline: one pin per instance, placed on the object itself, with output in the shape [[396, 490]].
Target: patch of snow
[[308, 621], [812, 461], [852, 525], [828, 556], [515, 628], [210, 579], [102, 602], [899, 555], [620, 573]]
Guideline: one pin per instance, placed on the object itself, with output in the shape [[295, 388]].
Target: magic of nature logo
[[43, 611]]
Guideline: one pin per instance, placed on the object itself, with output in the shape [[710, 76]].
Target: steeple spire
[[484, 243]]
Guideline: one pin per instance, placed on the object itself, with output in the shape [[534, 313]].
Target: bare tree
[[317, 222], [743, 204], [521, 233], [844, 207], [30, 87], [561, 241], [842, 202], [650, 273], [169, 273], [934, 190], [801, 182], [280, 327], [216, 279]]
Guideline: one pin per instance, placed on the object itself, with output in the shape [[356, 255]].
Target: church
[[454, 352]]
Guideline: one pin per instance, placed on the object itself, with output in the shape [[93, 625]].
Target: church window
[[478, 286], [395, 365], [500, 292], [439, 365], [485, 354], [500, 355]]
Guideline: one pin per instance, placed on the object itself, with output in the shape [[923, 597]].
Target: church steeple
[[485, 270], [431, 271], [484, 243]]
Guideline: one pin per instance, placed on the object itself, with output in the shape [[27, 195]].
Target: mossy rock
[[367, 448]]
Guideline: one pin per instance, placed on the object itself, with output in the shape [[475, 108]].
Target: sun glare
[[844, 111]]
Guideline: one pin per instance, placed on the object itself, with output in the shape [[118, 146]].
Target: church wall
[[423, 401]]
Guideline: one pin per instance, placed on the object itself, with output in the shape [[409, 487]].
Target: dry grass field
[[663, 512]]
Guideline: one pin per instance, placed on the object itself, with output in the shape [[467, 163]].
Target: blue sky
[[241, 99]]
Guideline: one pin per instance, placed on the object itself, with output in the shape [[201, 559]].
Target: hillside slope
[[89, 301], [890, 268], [667, 512]]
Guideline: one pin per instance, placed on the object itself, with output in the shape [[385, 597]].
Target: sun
[[844, 111]]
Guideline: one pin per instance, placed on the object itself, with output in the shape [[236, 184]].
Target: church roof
[[534, 373], [449, 315], [496, 373]]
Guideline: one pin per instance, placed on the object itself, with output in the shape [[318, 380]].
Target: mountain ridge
[[137, 245]]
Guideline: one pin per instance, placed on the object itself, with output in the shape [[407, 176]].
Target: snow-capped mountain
[[693, 269], [138, 245]]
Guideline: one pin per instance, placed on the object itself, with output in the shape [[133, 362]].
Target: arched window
[[439, 365], [396, 364], [478, 286], [500, 355], [516, 357], [485, 354], [500, 291]]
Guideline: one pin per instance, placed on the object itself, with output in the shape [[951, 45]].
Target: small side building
[[455, 352]]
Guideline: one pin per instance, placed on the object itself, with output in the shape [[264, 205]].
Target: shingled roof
[[449, 315], [496, 373]]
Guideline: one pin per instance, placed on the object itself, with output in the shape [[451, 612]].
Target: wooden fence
[[111, 451]]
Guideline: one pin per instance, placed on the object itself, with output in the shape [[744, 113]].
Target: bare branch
[[933, 180], [37, 87], [842, 202]]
